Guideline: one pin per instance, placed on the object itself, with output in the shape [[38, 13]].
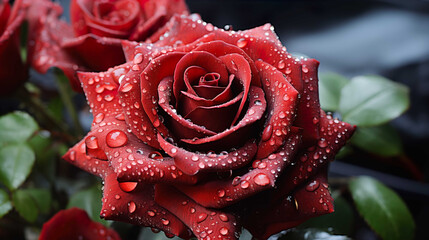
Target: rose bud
[[210, 130], [97, 28], [74, 223], [13, 72]]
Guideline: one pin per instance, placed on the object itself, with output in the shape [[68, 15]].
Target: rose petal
[[281, 108], [138, 207], [156, 70], [77, 156], [203, 222], [45, 37], [234, 136], [310, 200], [12, 70], [309, 106], [222, 193], [192, 163], [180, 126], [129, 49], [202, 59], [130, 96], [333, 136], [218, 117], [74, 223], [90, 47]]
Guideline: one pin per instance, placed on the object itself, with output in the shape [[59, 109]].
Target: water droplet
[[138, 58], [165, 221], [117, 197], [244, 184], [261, 179], [192, 210], [127, 186], [73, 155], [241, 43], [99, 117], [304, 69], [131, 207], [91, 142], [258, 102], [173, 150], [120, 117], [201, 217], [126, 87], [150, 213], [209, 27], [116, 138], [281, 64], [194, 158], [223, 217], [109, 98], [221, 193], [268, 131], [288, 71], [155, 155], [224, 231], [322, 143], [312, 186]]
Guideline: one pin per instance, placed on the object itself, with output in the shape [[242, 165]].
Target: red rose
[[98, 26], [13, 71], [212, 129], [74, 223]]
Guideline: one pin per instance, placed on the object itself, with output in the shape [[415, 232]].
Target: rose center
[[209, 79], [115, 12]]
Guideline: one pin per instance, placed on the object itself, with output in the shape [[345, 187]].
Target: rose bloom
[[210, 131], [13, 71], [97, 29], [74, 223]]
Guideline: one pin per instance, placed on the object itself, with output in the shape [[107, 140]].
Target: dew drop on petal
[[150, 213], [91, 142], [312, 186], [165, 221], [261, 179], [116, 138], [99, 117], [126, 87], [244, 184], [223, 217], [241, 43], [131, 207], [128, 186], [201, 217], [224, 231], [266, 135]]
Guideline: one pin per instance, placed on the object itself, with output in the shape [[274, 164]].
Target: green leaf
[[42, 198], [330, 86], [383, 210], [372, 100], [5, 205], [310, 234], [16, 161], [341, 221], [16, 127], [90, 201], [25, 205], [381, 140]]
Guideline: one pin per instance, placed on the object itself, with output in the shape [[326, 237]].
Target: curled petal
[[88, 48], [138, 207], [232, 136], [181, 127], [192, 163], [223, 193], [311, 200], [204, 223], [156, 70], [202, 59], [282, 101], [74, 223], [333, 136]]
